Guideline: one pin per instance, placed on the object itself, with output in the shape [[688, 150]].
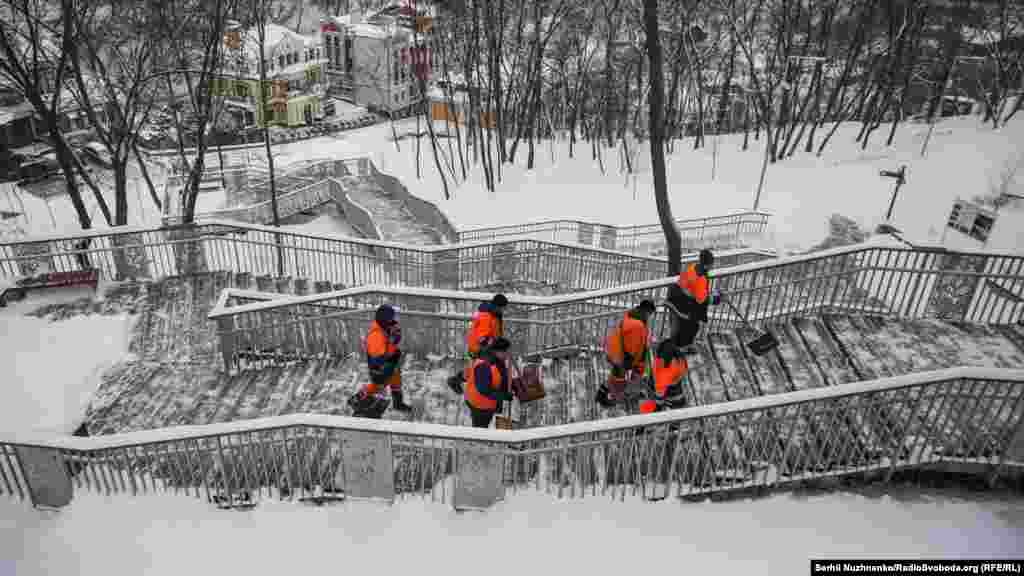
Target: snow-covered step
[[738, 380]]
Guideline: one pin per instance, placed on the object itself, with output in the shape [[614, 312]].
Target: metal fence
[[881, 280], [150, 253], [728, 231], [303, 186], [964, 418]]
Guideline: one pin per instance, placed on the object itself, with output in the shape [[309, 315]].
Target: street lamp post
[[901, 178]]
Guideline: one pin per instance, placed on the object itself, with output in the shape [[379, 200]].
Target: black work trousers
[[684, 332], [481, 418]]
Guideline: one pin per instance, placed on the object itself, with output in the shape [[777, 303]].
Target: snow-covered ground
[[51, 369], [528, 533], [801, 192], [56, 215]]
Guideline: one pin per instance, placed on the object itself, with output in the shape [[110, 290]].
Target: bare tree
[[35, 42], [112, 64], [656, 103], [192, 58]]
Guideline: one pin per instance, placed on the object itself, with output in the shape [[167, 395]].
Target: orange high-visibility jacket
[[664, 377], [693, 284], [632, 334], [667, 375], [487, 326], [487, 385], [379, 348]]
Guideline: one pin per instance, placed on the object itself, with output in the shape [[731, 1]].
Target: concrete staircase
[[393, 219], [175, 376]]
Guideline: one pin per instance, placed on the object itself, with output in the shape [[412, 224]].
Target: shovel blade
[[763, 344]]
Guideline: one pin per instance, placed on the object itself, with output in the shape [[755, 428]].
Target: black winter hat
[[706, 258], [500, 345], [647, 305], [499, 300], [385, 314]]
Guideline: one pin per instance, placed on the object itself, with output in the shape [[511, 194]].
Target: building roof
[[274, 35], [372, 31]]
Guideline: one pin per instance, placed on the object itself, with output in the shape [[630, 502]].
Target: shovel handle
[[737, 311]]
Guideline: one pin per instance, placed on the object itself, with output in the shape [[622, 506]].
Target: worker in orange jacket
[[487, 326], [670, 367], [691, 295], [383, 358], [625, 349], [488, 384]]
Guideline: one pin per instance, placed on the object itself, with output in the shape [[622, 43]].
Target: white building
[[375, 60], [292, 60]]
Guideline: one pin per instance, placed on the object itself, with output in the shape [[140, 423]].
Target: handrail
[[227, 245], [369, 243], [884, 279], [558, 221], [513, 437], [967, 417], [543, 301]]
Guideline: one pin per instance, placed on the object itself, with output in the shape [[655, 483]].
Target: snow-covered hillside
[[801, 192]]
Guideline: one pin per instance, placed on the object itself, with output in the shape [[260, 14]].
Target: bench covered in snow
[[17, 291]]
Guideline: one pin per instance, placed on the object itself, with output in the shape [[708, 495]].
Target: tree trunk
[[145, 176], [120, 191], [261, 43], [655, 101]]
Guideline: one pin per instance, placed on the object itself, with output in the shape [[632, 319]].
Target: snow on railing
[[961, 416], [722, 231], [145, 252], [880, 279]]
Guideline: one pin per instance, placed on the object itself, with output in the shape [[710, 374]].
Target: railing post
[[49, 485], [478, 477], [226, 332]]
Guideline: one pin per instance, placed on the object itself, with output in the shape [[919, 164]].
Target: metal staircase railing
[[892, 281], [725, 231], [962, 418], [151, 253]]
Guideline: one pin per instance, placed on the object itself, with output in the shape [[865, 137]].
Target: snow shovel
[[761, 345]]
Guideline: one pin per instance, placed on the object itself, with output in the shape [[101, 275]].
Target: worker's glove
[[716, 298]]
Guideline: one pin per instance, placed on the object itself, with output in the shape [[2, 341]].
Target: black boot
[[602, 397], [356, 401], [397, 403], [455, 383]]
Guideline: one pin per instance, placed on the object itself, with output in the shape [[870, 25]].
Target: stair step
[[243, 280], [265, 283], [283, 285], [740, 383]]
